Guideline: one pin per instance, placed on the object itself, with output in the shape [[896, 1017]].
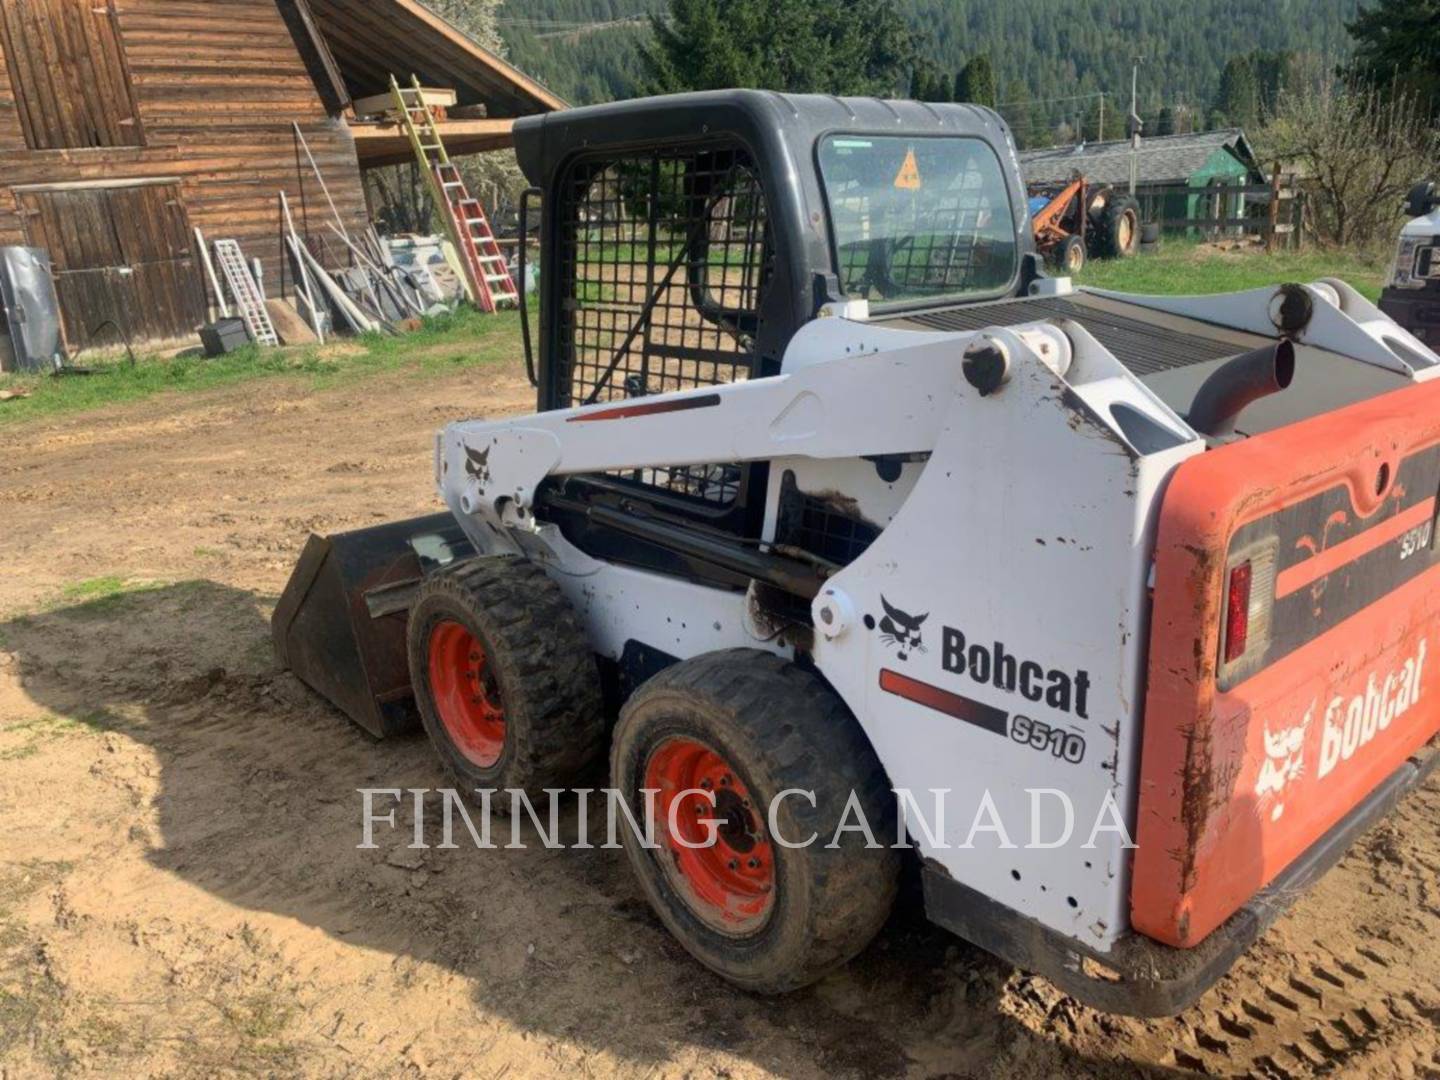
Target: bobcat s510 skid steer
[[831, 492]]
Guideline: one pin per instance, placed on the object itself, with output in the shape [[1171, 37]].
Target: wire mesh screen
[[820, 525], [665, 257]]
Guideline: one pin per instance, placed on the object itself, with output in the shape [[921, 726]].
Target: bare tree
[[1357, 152]]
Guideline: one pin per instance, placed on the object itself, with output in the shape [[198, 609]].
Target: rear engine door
[[1293, 650]]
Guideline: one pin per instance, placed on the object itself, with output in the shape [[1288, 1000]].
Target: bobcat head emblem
[[901, 630], [477, 464], [1284, 762]]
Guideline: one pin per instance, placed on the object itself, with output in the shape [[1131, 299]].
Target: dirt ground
[[181, 892]]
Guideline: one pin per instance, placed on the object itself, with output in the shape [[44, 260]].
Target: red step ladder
[[486, 269]]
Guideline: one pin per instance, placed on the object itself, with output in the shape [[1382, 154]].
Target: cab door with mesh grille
[[665, 257]]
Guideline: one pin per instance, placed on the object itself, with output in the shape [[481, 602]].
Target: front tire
[[504, 678], [1070, 256], [744, 727]]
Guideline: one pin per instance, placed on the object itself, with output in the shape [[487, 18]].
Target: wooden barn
[[124, 124]]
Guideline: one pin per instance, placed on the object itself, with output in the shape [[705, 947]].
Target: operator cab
[[687, 239]]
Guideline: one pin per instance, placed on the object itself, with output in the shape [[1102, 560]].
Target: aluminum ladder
[[248, 300], [486, 269]]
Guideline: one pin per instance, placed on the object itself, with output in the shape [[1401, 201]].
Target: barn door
[[123, 261], [69, 74]]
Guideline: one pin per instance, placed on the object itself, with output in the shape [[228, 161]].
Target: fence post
[[1272, 217]]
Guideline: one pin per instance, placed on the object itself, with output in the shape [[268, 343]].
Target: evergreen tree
[[977, 82], [1397, 47], [919, 83], [594, 51], [1239, 97], [1165, 122], [1019, 113], [839, 47], [1095, 114]]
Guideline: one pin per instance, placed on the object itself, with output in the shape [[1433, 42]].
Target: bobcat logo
[[1284, 762], [902, 630], [478, 465]]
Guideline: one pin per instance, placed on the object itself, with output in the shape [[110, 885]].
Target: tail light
[[1237, 612], [1249, 603]]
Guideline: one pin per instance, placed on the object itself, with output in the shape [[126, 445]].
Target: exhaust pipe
[[1238, 382]]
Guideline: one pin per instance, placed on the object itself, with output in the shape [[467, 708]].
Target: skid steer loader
[[834, 494]]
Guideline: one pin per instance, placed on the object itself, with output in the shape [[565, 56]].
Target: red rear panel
[[1247, 762]]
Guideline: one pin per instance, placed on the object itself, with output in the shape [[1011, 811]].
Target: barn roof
[[371, 39], [1162, 158]]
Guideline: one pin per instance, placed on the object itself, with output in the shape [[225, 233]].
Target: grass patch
[[101, 596], [23, 739], [1183, 268], [476, 339]]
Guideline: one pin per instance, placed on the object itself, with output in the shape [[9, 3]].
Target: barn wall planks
[[122, 257], [217, 84]]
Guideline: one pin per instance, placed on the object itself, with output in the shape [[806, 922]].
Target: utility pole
[[1134, 123]]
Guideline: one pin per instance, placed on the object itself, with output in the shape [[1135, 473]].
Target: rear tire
[[1120, 228], [504, 678], [768, 918]]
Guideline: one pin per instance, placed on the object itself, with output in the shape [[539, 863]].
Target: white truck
[[1412, 295]]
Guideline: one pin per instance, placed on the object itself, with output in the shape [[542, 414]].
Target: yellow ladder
[[487, 272]]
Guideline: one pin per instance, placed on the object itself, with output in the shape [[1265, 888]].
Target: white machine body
[[1007, 588]]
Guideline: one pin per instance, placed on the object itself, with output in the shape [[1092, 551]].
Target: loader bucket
[[340, 623]]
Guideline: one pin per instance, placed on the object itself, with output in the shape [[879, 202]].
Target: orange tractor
[[1081, 221]]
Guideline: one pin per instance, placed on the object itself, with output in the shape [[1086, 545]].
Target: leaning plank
[[348, 308], [210, 274]]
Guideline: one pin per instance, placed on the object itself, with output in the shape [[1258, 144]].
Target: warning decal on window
[[908, 178]]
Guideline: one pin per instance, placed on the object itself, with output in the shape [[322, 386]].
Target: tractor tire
[[1119, 232], [1070, 256], [747, 726], [504, 678]]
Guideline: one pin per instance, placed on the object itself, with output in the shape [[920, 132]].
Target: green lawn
[[442, 343], [469, 337], [1187, 268]]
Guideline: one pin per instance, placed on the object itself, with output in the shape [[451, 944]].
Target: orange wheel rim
[[730, 884], [466, 695]]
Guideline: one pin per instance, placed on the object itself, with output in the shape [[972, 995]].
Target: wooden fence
[[1273, 213]]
